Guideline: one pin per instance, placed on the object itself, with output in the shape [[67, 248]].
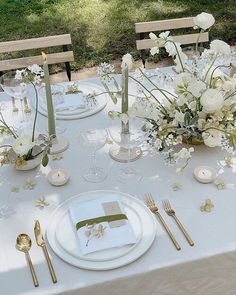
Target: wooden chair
[[44, 42], [164, 25]]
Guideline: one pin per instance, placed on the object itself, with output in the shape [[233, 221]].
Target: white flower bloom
[[212, 100], [22, 145], [171, 48], [19, 74], [182, 81], [154, 50], [35, 69], [180, 61], [196, 88], [184, 153], [179, 118], [164, 35], [212, 137], [153, 36], [192, 105], [127, 61], [220, 47], [204, 20]]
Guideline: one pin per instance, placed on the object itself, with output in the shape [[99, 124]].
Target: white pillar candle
[[58, 177], [204, 174]]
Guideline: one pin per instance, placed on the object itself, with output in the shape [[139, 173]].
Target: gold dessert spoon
[[23, 243]]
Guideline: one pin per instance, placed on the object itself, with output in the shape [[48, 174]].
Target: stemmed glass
[[17, 91], [93, 140], [129, 142]]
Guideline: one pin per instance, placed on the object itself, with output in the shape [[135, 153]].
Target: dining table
[[208, 267]]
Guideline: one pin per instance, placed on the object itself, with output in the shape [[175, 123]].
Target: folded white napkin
[[113, 237]]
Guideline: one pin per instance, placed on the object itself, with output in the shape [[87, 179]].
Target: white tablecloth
[[207, 268]]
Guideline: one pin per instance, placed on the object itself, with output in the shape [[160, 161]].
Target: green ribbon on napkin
[[107, 218]]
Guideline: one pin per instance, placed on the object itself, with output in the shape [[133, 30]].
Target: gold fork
[[171, 212], [154, 209]]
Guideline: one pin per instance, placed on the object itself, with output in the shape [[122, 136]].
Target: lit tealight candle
[[58, 177], [204, 174]]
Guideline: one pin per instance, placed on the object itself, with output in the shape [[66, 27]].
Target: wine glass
[[129, 141], [58, 93], [93, 140], [17, 90]]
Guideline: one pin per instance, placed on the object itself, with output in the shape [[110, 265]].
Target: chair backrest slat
[[161, 25], [52, 58], [183, 39], [42, 42]]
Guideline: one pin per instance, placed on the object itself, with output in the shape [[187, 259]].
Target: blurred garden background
[[103, 30]]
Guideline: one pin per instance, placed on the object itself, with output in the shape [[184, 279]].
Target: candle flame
[[44, 55]]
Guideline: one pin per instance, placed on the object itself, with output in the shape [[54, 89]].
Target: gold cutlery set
[[15, 109], [23, 243], [151, 204]]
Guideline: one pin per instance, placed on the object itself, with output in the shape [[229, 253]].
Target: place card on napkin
[[117, 232]]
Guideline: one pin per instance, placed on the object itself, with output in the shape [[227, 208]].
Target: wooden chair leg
[[68, 70], [67, 64], [143, 58]]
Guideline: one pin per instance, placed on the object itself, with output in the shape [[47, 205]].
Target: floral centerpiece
[[199, 106], [25, 151]]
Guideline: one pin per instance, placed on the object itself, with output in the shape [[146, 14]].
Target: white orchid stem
[[5, 124], [177, 51], [197, 42], [211, 65], [220, 66], [160, 107], [160, 89]]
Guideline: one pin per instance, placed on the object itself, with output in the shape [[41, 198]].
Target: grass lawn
[[104, 29]]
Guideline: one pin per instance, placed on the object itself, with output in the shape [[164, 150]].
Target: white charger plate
[[86, 87], [68, 249]]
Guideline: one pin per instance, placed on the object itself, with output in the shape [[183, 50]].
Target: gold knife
[[41, 243]]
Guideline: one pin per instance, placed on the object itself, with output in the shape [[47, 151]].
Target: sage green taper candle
[[125, 100], [51, 116]]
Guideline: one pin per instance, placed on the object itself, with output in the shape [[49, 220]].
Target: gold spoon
[[23, 243]]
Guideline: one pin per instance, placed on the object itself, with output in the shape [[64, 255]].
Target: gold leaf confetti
[[220, 184], [29, 184], [42, 202], [15, 189], [176, 186], [207, 206]]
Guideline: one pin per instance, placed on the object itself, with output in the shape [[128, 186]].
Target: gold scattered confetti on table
[[42, 202], [176, 186], [29, 183], [207, 206], [220, 184]]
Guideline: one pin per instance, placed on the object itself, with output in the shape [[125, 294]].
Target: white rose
[[212, 137], [196, 88], [22, 145], [127, 61], [204, 20], [212, 100], [220, 47]]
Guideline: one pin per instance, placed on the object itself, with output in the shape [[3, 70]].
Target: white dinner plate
[[86, 87], [63, 240]]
